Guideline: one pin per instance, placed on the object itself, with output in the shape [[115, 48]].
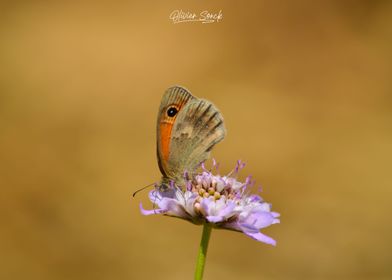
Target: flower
[[221, 201]]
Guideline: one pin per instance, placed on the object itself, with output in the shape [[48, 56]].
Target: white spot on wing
[[187, 130]]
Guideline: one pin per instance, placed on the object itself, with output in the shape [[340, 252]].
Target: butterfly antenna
[[141, 189]]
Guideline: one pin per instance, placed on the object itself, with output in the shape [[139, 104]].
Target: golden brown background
[[305, 89]]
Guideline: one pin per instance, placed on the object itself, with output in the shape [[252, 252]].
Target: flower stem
[[201, 258]]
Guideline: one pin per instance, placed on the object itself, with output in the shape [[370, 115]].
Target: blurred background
[[305, 90]]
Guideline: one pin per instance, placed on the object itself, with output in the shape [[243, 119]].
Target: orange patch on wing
[[166, 126], [166, 129]]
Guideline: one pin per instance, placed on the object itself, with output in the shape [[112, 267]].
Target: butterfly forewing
[[186, 141], [174, 97]]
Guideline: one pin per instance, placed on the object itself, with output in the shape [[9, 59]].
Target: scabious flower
[[221, 201]]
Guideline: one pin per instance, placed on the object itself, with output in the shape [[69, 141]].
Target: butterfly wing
[[174, 97], [185, 140], [197, 129]]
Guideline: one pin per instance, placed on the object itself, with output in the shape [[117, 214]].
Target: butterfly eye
[[172, 111]]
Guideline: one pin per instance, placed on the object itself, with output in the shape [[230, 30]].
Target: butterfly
[[187, 129]]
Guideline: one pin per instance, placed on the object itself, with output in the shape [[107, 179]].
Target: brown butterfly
[[187, 129]]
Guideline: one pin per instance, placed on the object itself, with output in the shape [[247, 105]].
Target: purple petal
[[254, 198], [233, 226], [206, 205], [189, 203], [247, 227], [150, 212], [226, 211], [215, 219], [172, 207], [275, 214], [258, 219], [261, 237]]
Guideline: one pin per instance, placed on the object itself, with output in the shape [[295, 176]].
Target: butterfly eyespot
[[172, 111]]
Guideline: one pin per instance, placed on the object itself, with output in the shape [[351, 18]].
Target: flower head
[[221, 201]]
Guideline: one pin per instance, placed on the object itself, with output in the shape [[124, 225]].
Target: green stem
[[201, 258]]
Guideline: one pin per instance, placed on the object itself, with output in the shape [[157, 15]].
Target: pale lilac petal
[[206, 205], [232, 226], [220, 185], [255, 198], [215, 219], [223, 214], [189, 203], [228, 210], [261, 237], [150, 212], [247, 227], [172, 208], [262, 207], [276, 221], [275, 215], [258, 219], [236, 185]]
